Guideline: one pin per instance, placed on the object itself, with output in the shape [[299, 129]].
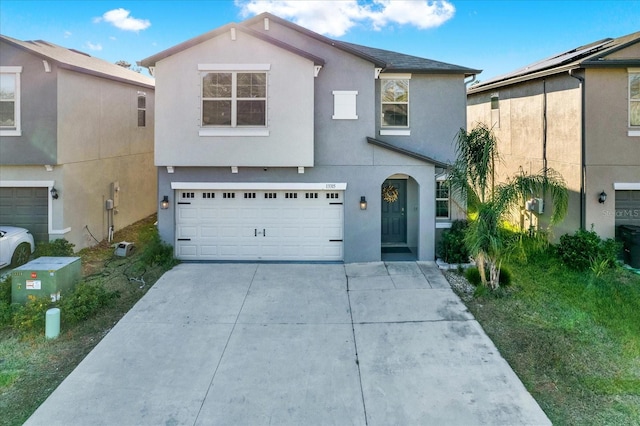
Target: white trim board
[[627, 186], [321, 186]]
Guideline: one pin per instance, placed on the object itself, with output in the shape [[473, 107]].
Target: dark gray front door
[[394, 217]]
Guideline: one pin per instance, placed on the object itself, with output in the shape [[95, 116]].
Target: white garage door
[[265, 224]]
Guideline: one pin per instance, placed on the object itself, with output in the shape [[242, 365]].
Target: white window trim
[[234, 130], [396, 130], [344, 105], [443, 178], [633, 130], [234, 67], [16, 70]]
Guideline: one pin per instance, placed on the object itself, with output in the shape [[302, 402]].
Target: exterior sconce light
[[363, 203], [602, 197], [54, 193], [164, 204]]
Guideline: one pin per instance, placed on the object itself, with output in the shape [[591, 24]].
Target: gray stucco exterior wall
[[38, 142]]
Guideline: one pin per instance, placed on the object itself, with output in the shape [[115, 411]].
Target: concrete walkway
[[295, 344]]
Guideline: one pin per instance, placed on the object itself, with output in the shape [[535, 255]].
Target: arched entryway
[[400, 211]]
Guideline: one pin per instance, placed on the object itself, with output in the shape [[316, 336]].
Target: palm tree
[[472, 177]]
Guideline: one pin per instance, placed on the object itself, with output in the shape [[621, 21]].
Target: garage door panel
[[262, 225], [187, 251], [208, 231], [26, 207]]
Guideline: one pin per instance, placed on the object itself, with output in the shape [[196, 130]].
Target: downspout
[[544, 128], [583, 149]]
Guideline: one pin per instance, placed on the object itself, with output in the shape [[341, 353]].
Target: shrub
[[583, 249], [452, 248], [505, 277], [31, 316], [156, 252], [473, 276], [5, 301], [57, 248], [84, 301]]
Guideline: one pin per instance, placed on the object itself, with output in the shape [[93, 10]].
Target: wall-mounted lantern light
[[602, 197], [363, 203], [54, 193], [164, 204]]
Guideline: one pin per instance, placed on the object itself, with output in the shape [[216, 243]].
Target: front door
[[394, 209]]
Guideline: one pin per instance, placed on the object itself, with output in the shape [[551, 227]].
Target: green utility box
[[45, 277]]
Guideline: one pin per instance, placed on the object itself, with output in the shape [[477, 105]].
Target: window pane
[[635, 113], [395, 90], [251, 113], [216, 113], [7, 87], [252, 85], [634, 86], [7, 114], [442, 208], [142, 102], [394, 115], [442, 190], [142, 118], [216, 85]]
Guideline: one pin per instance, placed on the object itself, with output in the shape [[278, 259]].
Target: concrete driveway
[[295, 344]]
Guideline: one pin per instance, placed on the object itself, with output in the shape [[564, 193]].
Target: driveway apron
[[292, 344]]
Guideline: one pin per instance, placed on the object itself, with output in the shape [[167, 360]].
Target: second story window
[[495, 110], [142, 109], [10, 101], [394, 95], [634, 98], [234, 99]]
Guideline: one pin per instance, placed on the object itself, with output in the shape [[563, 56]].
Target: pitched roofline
[[71, 67], [151, 60], [408, 153], [522, 78], [335, 43], [592, 59]]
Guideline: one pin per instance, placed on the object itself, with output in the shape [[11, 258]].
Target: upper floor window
[[495, 110], [234, 99], [10, 101], [394, 96], [442, 199], [142, 109], [634, 98]]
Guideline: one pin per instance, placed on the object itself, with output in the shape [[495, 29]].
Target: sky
[[495, 36]]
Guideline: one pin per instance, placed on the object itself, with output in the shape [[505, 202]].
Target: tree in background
[[124, 64], [472, 177]]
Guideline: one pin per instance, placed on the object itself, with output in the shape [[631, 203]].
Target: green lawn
[[573, 338]]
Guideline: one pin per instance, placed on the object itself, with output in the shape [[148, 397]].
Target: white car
[[16, 246]]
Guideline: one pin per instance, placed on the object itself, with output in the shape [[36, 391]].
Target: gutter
[[583, 149]]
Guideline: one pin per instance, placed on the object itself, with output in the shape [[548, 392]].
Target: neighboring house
[[579, 113], [274, 143], [75, 132]]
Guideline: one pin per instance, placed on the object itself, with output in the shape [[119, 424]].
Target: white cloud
[[67, 34], [335, 18], [120, 18], [92, 46]]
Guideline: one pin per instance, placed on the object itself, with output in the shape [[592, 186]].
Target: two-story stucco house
[[276, 143], [75, 132], [579, 113]]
